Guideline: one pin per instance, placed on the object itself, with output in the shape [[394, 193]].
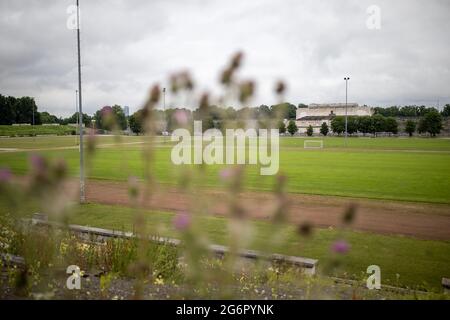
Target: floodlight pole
[[78, 118], [165, 116], [346, 121], [164, 99], [80, 111], [164, 109]]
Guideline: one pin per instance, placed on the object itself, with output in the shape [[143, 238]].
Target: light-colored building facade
[[316, 114], [126, 111]]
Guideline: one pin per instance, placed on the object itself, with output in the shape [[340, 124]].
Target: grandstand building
[[316, 114]]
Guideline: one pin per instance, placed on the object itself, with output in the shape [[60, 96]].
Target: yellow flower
[[63, 248], [159, 281]]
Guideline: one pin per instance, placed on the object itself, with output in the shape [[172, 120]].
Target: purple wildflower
[[182, 221], [5, 175], [340, 246], [37, 162], [226, 173], [181, 117], [106, 111]]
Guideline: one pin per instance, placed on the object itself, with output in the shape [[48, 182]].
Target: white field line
[[108, 145], [105, 145]]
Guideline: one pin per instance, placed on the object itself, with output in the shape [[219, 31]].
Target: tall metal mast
[[80, 109]]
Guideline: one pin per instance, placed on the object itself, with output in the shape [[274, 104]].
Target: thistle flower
[[155, 93], [247, 89], [174, 83], [108, 117], [59, 169], [186, 80], [225, 77], [236, 60], [305, 229], [91, 141], [340, 246], [106, 111], [204, 101], [280, 87], [5, 175], [349, 214], [181, 117], [182, 221], [38, 163], [226, 173], [133, 186]]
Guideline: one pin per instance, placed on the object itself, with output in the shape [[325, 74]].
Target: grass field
[[384, 168]]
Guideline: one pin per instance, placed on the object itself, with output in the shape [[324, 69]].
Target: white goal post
[[313, 144]]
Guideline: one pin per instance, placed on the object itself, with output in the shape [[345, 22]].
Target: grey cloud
[[128, 45]]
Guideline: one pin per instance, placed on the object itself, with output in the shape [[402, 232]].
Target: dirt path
[[421, 220]]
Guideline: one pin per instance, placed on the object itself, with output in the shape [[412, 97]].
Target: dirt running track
[[421, 220]]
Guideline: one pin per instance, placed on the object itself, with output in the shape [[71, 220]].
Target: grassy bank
[[23, 131], [403, 261]]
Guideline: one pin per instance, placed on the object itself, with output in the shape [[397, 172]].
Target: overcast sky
[[129, 45]]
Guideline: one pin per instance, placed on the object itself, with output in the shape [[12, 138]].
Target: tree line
[[24, 110], [213, 116], [430, 122], [410, 111]]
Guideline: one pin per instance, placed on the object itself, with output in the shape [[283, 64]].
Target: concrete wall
[[353, 109]]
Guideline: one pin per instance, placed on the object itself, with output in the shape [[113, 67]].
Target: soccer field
[[384, 168], [414, 169]]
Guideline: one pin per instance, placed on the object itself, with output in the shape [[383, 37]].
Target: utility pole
[[164, 108], [165, 116], [80, 111], [78, 118], [346, 120]]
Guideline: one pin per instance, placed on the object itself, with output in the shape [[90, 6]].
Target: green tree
[[378, 124], [283, 111], [446, 111], [352, 125], [281, 126], [391, 125], [7, 113], [324, 129], [364, 124], [338, 125], [310, 131], [431, 122], [120, 117], [263, 111], [292, 127], [410, 127], [25, 107], [109, 118], [74, 119], [135, 121], [48, 118]]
